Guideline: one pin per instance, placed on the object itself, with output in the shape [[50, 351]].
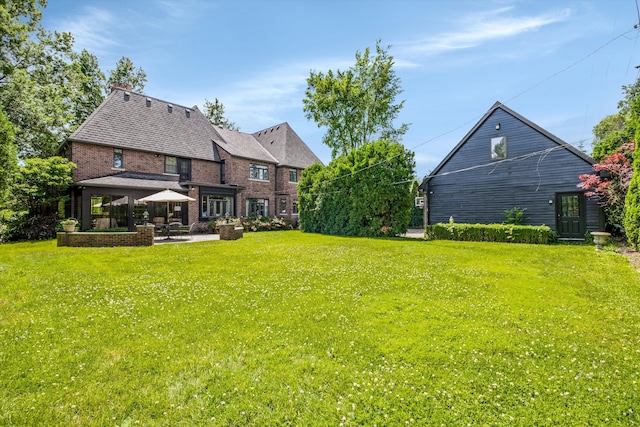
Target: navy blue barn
[[507, 161]]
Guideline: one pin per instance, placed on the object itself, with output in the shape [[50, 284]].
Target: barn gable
[[507, 161]]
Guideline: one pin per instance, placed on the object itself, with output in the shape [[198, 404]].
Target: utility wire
[[635, 27]]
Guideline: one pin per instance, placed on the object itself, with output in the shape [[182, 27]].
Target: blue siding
[[472, 189]]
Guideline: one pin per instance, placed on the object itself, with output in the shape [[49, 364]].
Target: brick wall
[[237, 171], [94, 161], [230, 232], [205, 171], [143, 237]]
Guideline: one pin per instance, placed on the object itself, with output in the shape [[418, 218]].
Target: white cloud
[[261, 98], [480, 28], [92, 30]]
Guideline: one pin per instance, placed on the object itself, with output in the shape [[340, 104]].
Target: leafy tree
[[88, 81], [632, 201], [38, 87], [364, 193], [214, 111], [610, 182], [620, 128], [18, 19], [632, 204], [8, 156], [356, 106], [126, 73], [41, 182]]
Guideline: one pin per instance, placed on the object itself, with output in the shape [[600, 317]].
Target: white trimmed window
[[293, 175], [499, 148]]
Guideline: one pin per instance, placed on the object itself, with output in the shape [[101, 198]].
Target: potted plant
[[69, 224]]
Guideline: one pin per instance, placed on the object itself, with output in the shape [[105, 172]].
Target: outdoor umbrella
[[167, 196]]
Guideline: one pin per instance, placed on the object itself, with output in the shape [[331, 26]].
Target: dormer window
[[499, 148]]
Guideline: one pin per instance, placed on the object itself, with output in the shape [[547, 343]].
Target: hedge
[[490, 233]]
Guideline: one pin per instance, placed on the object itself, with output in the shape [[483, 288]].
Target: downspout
[[275, 190]]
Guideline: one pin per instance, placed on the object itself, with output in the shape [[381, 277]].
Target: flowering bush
[[266, 223], [263, 223], [610, 182]]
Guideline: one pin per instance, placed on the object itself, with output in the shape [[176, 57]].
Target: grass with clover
[[288, 328]]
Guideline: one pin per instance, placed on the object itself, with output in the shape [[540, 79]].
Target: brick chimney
[[125, 86]]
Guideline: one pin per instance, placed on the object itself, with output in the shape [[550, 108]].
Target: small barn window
[[499, 148]]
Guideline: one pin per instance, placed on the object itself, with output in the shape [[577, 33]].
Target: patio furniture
[[177, 229]]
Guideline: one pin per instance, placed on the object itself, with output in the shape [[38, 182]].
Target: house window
[[223, 173], [570, 206], [184, 167], [293, 175], [257, 207], [260, 172], [117, 158], [294, 209], [170, 165], [499, 148], [283, 206], [216, 206], [178, 166]]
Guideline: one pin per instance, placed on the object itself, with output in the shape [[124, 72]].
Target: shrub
[[514, 216], [263, 223], [266, 223], [108, 230], [365, 193], [490, 233], [21, 227], [632, 203]]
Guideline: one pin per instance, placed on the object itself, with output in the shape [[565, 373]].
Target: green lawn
[[287, 328]]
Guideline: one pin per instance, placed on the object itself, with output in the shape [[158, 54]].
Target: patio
[[161, 240]]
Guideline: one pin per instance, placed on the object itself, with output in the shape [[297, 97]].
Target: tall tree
[[356, 106], [18, 19], [214, 111], [8, 157], [632, 201], [126, 73], [620, 128], [88, 81], [37, 77]]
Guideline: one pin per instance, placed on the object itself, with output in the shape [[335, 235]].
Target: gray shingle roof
[[115, 181], [134, 121], [286, 146], [241, 145], [131, 120]]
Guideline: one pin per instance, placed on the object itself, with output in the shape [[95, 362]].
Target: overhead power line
[[563, 70]]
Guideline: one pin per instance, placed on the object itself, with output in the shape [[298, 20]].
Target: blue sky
[[561, 64]]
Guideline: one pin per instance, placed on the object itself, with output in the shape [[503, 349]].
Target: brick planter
[[230, 232], [142, 237]]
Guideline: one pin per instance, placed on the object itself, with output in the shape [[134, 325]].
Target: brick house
[[134, 145]]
